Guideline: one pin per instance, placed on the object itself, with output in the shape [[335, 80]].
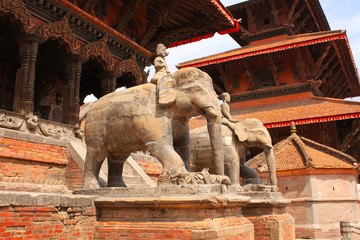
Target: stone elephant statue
[[237, 139], [153, 118]]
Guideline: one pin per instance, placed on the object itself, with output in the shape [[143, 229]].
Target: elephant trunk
[[215, 135]]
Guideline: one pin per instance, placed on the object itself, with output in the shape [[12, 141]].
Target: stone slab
[[164, 190]]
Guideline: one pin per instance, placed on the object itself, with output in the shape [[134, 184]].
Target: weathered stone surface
[[165, 190], [153, 118], [237, 139], [43, 199]]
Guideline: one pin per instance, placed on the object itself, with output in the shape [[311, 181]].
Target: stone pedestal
[[190, 212]]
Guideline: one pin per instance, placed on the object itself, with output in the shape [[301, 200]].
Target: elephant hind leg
[[115, 172], [92, 165]]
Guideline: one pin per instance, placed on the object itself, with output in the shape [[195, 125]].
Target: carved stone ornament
[[180, 176], [60, 30], [32, 121], [10, 121], [55, 130], [79, 131], [130, 66], [16, 10], [99, 50]]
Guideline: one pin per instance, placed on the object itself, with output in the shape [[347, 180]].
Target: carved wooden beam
[[172, 36], [316, 68], [325, 65], [274, 12], [251, 19], [327, 78], [313, 15], [223, 77], [300, 63], [297, 14], [341, 62], [291, 12], [249, 76], [244, 30], [335, 82], [302, 24], [274, 69], [89, 5], [151, 29], [349, 139], [340, 88], [127, 14]]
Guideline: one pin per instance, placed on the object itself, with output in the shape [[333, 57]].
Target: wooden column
[[71, 105], [25, 76], [108, 82]]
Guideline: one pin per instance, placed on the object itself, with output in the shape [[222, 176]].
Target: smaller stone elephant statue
[[237, 139]]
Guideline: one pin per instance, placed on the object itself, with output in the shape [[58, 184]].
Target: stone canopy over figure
[[161, 67]]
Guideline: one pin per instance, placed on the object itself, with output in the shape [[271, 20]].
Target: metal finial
[[293, 128]]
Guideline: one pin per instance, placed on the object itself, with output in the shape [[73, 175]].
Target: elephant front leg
[[92, 165], [270, 158], [166, 154]]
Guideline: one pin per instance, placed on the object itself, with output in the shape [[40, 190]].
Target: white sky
[[343, 14]]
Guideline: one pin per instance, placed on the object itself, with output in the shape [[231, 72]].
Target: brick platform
[[188, 215]]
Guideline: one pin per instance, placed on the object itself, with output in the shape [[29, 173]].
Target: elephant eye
[[197, 90]]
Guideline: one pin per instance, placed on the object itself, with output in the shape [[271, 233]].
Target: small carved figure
[[225, 111], [32, 121], [161, 67]]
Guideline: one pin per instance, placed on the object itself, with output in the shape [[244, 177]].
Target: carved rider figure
[[161, 67], [225, 111]]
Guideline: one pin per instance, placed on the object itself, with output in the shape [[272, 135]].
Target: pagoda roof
[[348, 82], [289, 42], [297, 152], [149, 22], [303, 16], [305, 111]]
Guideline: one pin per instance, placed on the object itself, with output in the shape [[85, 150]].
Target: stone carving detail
[[17, 10], [54, 130], [100, 50], [10, 121], [61, 30], [130, 66], [32, 121], [181, 177]]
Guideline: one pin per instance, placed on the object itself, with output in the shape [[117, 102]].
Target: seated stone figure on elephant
[[237, 139], [153, 118]]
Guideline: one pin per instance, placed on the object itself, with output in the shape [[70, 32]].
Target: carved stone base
[[193, 216], [180, 176]]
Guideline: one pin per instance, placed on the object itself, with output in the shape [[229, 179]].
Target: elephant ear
[[167, 93], [240, 131]]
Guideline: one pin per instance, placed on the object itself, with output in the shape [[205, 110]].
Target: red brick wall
[[74, 174], [269, 227], [46, 223], [172, 230], [37, 167]]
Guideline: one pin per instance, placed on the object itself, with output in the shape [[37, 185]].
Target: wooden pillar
[[25, 75], [71, 105], [108, 82]]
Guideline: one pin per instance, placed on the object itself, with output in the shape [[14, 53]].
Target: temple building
[[291, 67], [317, 178], [56, 52]]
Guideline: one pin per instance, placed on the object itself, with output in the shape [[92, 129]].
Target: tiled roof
[[299, 153], [314, 109], [289, 42]]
